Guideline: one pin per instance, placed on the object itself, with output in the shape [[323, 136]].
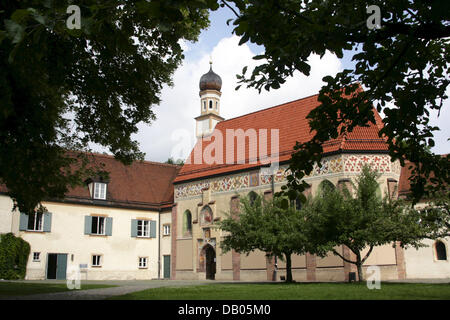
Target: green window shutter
[[23, 224], [47, 221], [87, 224], [152, 229], [108, 226], [133, 227]]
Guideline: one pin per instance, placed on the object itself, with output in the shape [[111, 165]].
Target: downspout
[[276, 258], [159, 244]]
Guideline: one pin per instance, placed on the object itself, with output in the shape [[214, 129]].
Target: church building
[[227, 163]]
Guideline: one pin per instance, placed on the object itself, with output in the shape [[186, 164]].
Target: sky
[[172, 133]]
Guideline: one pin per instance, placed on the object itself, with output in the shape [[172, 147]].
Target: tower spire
[[210, 85]]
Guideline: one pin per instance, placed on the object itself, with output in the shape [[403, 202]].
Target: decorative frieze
[[338, 164]]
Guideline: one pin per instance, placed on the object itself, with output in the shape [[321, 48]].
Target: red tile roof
[[143, 184], [290, 119], [404, 184]]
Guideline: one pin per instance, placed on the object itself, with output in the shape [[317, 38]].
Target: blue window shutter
[[87, 224], [152, 229], [134, 228], [23, 224], [108, 226], [47, 221]]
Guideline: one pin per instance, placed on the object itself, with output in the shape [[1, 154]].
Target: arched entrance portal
[[210, 261]]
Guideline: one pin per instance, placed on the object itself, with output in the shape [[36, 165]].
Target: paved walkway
[[123, 287]]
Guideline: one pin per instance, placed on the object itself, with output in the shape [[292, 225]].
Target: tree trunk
[[359, 266], [288, 267]]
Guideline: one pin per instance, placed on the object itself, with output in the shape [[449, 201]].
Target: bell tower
[[210, 85]]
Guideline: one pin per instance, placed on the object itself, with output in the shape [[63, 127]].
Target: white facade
[[423, 263], [120, 252]]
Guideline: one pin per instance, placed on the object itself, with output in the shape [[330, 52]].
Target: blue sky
[[172, 134]]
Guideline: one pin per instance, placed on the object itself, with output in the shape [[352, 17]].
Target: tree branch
[[231, 8], [346, 260], [367, 255]]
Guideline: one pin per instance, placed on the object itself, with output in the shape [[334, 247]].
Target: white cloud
[[181, 103]]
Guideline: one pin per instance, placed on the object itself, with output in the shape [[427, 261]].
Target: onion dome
[[210, 80]]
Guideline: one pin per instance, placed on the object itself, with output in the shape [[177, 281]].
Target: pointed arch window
[[252, 195], [297, 204], [187, 223], [324, 186]]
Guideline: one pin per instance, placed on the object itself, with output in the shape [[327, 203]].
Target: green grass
[[295, 291], [8, 289]]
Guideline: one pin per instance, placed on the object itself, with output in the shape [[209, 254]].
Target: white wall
[[6, 214], [422, 263], [120, 251], [166, 241]]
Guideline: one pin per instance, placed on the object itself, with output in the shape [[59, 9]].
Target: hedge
[[14, 253]]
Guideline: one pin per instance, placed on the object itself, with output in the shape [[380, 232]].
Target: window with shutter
[[98, 225], [35, 222], [143, 228]]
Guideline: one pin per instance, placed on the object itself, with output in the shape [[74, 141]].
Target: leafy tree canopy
[[403, 66], [266, 225], [62, 89], [363, 220]]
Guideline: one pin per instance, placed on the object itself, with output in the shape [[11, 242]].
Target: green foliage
[[265, 225], [335, 218], [63, 89], [14, 253], [437, 213], [403, 66], [179, 162]]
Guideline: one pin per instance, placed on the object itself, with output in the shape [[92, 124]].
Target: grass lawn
[[8, 289], [295, 291]]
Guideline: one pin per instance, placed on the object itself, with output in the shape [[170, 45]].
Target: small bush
[[14, 253]]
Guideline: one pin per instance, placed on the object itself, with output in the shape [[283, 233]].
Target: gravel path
[[123, 287]]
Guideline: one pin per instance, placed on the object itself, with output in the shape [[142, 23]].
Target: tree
[[335, 218], [177, 162], [403, 66], [438, 211], [266, 225], [63, 89]]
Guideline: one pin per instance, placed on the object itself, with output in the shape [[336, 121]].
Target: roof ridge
[[149, 162], [273, 107]]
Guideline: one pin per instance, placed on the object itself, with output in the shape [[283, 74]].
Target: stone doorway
[[209, 255]]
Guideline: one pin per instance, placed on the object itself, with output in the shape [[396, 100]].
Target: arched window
[[217, 105], [187, 223], [325, 185], [206, 215], [252, 195], [441, 252], [210, 104], [297, 204], [204, 105]]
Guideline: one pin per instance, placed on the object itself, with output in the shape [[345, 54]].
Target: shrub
[[14, 253]]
